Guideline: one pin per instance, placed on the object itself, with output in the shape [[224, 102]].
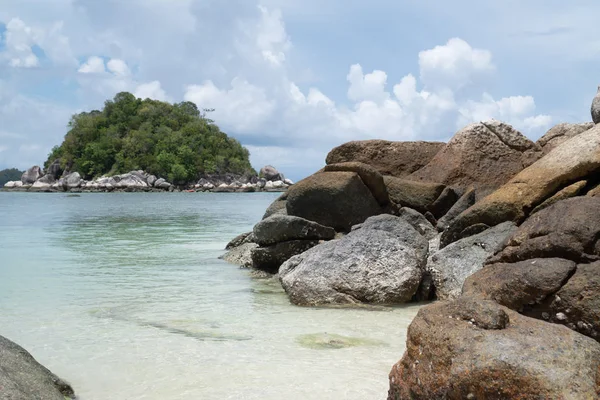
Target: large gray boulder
[[240, 255], [379, 262], [23, 378], [595, 109], [55, 170], [336, 199], [31, 175], [452, 265], [270, 258], [270, 173], [72, 181], [281, 228]]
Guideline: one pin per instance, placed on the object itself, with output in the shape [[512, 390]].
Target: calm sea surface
[[123, 296]]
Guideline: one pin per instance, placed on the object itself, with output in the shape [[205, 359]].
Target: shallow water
[[123, 296]]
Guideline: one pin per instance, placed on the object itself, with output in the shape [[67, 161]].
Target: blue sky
[[292, 79]]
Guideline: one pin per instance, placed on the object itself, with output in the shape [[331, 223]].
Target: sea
[[123, 295]]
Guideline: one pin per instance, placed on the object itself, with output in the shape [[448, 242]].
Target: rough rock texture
[[370, 177], [452, 265], [561, 133], [484, 155], [463, 203], [281, 228], [520, 286], [23, 378], [398, 159], [416, 195], [469, 349], [566, 193], [444, 202], [240, 255], [595, 109], [277, 207], [569, 229], [31, 175], [55, 170], [336, 199], [270, 173], [572, 161], [594, 192], [270, 258], [379, 262], [71, 181], [418, 221], [240, 240]]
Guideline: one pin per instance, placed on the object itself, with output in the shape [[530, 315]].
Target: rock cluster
[[502, 231]]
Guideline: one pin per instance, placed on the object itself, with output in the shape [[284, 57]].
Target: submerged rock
[[325, 341], [23, 378]]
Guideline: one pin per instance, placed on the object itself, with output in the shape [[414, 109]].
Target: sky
[[292, 79]]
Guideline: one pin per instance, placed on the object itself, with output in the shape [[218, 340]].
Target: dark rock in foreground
[[23, 378], [282, 228], [474, 349]]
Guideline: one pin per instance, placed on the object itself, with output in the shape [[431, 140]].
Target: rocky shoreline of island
[[35, 179]]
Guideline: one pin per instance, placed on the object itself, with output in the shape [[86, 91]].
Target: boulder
[[452, 265], [281, 228], [23, 378], [288, 182], [464, 202], [484, 155], [561, 133], [162, 184], [270, 258], [336, 199], [269, 173], [416, 195], [444, 202], [240, 255], [277, 207], [522, 286], [398, 159], [595, 109], [569, 229], [151, 180], [9, 184], [72, 181], [418, 221], [40, 185], [239, 240], [572, 161], [565, 193], [48, 179], [31, 175], [475, 349], [55, 170], [379, 262], [370, 177]]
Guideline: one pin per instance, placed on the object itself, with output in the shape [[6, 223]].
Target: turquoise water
[[123, 296]]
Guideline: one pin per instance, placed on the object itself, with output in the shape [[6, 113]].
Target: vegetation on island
[[10, 174], [174, 141]]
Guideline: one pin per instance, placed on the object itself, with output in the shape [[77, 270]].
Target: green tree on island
[[10, 174], [174, 141]]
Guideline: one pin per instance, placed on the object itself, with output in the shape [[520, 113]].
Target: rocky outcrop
[[336, 199], [419, 196], [55, 171], [418, 221], [484, 155], [270, 258], [574, 160], [464, 202], [281, 228], [595, 109], [379, 262], [370, 177], [23, 378], [452, 265], [398, 159], [270, 173], [240, 255], [31, 175], [560, 133], [474, 349]]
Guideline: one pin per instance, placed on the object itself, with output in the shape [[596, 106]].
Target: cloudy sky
[[291, 79]]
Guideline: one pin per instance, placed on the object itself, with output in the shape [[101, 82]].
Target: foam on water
[[123, 296]]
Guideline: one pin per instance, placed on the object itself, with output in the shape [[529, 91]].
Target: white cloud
[[19, 43], [366, 87], [272, 39], [244, 107], [454, 64], [118, 67], [93, 65], [152, 90]]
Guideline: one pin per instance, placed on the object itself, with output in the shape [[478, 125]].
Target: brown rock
[[468, 349], [484, 155], [566, 193], [568, 229], [398, 159], [594, 192], [522, 285], [370, 177], [561, 133], [574, 160], [336, 199], [444, 202], [464, 202], [416, 195]]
